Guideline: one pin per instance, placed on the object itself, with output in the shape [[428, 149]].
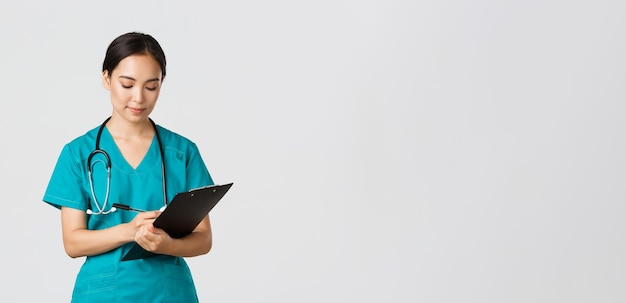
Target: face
[[134, 85]]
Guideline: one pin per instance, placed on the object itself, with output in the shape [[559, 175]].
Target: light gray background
[[382, 151]]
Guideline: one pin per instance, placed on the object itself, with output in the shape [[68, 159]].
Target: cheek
[[118, 94], [155, 95], [151, 96]]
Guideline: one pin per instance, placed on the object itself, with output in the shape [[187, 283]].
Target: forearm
[[195, 244], [199, 242], [84, 242], [79, 241]]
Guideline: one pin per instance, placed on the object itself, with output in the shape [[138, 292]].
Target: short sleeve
[[64, 187]]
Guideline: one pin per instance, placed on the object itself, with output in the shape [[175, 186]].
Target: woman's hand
[[158, 241], [152, 239], [140, 220]]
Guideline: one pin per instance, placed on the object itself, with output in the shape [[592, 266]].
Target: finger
[[145, 232], [139, 234], [149, 215]]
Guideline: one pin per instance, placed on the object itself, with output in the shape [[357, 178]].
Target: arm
[[156, 240], [80, 241]]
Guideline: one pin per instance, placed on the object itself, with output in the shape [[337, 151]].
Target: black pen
[[126, 207]]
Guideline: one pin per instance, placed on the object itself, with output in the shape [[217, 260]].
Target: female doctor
[[128, 160]]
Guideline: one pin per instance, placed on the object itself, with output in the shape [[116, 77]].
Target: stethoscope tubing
[[107, 161]]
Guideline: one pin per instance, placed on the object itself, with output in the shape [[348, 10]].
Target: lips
[[136, 110]]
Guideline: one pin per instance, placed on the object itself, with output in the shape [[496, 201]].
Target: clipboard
[[182, 215]]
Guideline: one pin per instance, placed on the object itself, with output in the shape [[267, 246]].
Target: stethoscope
[[107, 162]]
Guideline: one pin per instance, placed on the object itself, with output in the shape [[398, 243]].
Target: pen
[[126, 207]]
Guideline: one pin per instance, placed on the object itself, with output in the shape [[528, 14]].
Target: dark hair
[[129, 44]]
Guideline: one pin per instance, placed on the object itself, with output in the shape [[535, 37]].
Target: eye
[[151, 88], [126, 86]]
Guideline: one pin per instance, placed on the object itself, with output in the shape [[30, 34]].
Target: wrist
[[128, 232]]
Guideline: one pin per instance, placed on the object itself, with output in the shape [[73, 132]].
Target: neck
[[123, 128]]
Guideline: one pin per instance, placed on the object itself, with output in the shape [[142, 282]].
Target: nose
[[138, 95]]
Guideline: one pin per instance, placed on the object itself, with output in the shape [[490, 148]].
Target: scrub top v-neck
[[150, 158], [140, 188]]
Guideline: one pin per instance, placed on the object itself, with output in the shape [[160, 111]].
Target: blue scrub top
[[104, 278]]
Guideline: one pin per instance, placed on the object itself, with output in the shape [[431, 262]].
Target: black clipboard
[[182, 215]]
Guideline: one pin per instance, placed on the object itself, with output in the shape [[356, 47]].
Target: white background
[[382, 151]]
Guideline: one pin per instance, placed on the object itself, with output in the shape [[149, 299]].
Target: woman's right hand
[[141, 219]]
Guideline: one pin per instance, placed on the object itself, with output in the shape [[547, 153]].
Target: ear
[[106, 80]]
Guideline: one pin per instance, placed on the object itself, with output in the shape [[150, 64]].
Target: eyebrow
[[131, 78]]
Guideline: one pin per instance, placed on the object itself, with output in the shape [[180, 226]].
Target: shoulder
[[87, 137], [80, 147], [171, 137], [175, 141]]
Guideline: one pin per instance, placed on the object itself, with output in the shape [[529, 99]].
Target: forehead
[[138, 67]]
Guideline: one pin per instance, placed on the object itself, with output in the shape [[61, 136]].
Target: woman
[[148, 164]]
